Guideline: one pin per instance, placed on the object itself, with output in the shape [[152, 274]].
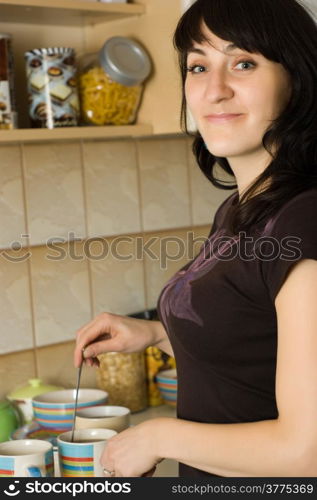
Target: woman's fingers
[[149, 473], [95, 332], [97, 347], [92, 362]]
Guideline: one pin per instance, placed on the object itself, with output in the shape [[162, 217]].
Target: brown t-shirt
[[220, 316]]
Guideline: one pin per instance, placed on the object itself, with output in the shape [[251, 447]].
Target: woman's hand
[[135, 451], [114, 333]]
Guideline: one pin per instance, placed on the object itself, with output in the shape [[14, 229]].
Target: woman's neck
[[248, 168]]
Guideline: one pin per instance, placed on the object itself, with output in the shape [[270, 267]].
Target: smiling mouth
[[222, 118]]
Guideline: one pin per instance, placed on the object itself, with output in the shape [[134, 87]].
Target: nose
[[218, 87]]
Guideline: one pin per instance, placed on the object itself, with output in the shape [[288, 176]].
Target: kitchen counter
[[167, 468]]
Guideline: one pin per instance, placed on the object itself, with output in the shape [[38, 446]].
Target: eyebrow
[[227, 49]]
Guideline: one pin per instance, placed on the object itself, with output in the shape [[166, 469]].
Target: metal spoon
[[101, 337], [76, 397]]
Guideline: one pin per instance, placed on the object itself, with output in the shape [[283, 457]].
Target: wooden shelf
[[65, 12], [74, 133]]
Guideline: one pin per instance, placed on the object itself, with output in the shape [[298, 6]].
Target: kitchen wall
[[90, 227]]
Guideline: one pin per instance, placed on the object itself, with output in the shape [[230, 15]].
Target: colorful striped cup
[[26, 458], [167, 384], [55, 410], [81, 458]]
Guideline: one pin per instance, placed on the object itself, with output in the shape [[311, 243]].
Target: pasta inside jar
[[111, 82], [105, 101]]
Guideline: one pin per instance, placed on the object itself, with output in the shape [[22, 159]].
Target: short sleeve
[[289, 237]]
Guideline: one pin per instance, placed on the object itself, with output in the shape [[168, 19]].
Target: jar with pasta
[[111, 82], [123, 376]]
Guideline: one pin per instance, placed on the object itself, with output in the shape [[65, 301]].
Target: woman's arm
[[162, 340], [284, 447]]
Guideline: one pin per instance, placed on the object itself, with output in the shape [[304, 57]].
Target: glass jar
[[111, 82], [123, 376]]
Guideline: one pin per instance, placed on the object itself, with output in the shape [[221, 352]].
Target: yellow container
[[156, 361]]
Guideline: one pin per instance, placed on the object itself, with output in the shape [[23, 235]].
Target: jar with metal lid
[[111, 82], [8, 112], [123, 376]]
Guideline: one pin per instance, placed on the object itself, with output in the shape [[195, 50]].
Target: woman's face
[[233, 95]]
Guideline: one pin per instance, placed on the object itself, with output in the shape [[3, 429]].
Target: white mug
[[81, 457], [26, 458]]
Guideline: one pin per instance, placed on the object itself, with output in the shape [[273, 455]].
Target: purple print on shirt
[[176, 297]]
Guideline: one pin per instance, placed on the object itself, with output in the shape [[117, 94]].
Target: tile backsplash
[[111, 187], [54, 191], [12, 217], [164, 184], [89, 227]]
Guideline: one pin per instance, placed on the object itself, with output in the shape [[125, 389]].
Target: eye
[[196, 68], [245, 65]]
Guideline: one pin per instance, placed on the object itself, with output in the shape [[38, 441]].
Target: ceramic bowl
[[167, 383], [55, 410], [105, 417]]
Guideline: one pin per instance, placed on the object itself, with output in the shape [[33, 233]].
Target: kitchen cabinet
[[85, 26], [68, 12]]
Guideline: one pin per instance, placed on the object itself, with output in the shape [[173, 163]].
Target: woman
[[241, 319]]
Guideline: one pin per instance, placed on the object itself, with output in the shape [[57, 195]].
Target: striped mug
[[81, 457], [26, 458]]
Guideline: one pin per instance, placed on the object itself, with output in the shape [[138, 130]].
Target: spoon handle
[[101, 337], [76, 400]]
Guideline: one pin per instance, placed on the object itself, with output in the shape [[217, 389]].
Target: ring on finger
[[110, 473]]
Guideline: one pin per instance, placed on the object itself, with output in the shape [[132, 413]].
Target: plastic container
[[123, 376], [156, 361], [111, 82], [22, 396], [8, 114], [52, 87]]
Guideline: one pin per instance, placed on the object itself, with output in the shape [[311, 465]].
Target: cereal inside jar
[[111, 83], [123, 377]]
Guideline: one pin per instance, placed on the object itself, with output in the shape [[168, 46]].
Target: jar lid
[[125, 61]]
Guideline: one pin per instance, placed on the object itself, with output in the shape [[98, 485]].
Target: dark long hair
[[283, 31]]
